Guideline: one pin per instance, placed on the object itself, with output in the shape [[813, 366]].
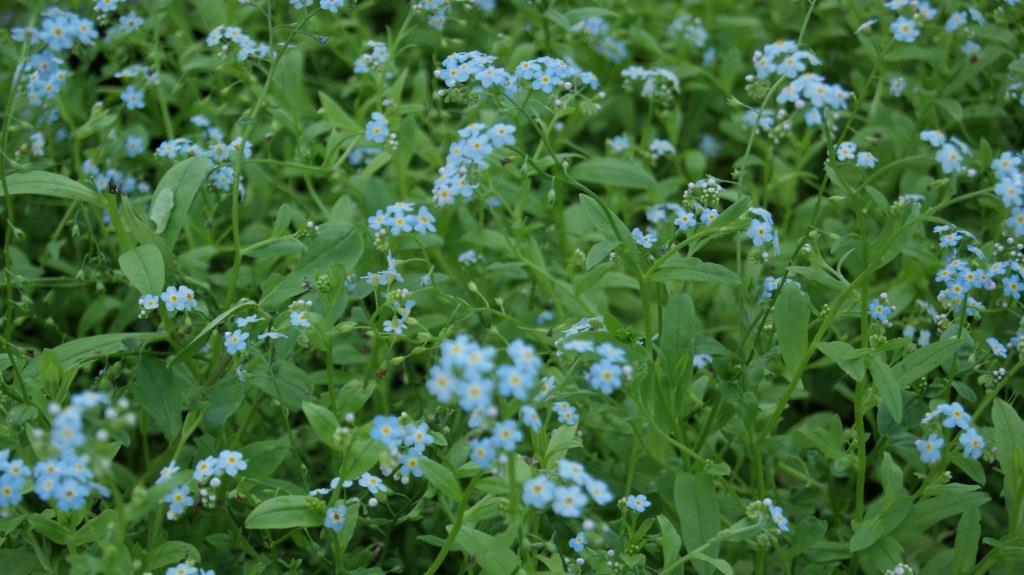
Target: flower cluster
[[564, 490], [467, 156], [543, 74], [207, 477], [406, 442], [847, 151], [691, 29], [654, 83], [596, 29], [232, 36], [950, 152], [398, 218], [373, 60], [66, 477], [175, 298], [953, 416], [103, 179]]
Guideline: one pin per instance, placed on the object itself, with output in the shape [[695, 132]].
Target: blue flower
[[605, 376], [973, 443], [644, 240], [619, 144], [846, 151], [71, 495], [334, 519], [1016, 221], [332, 5], [775, 512], [930, 448], [377, 128], [506, 435], [538, 491], [234, 341], [387, 430], [638, 503], [950, 157], [372, 483], [572, 471], [178, 298], [231, 462], [708, 216], [760, 232], [410, 464], [134, 145], [179, 499], [441, 384], [569, 501], [579, 542], [904, 29], [10, 489], [417, 436], [998, 349], [566, 413], [685, 220], [530, 417], [513, 381], [476, 394], [424, 222], [1012, 286], [598, 491], [205, 469], [133, 98], [879, 311], [956, 415], [866, 160], [481, 451]]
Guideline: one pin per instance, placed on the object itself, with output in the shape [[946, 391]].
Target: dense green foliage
[[512, 287]]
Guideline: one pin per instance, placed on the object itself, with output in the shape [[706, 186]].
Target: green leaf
[[171, 552], [699, 516], [492, 557], [335, 243], [562, 440], [678, 332], [1010, 455], [93, 348], [154, 391], [266, 456], [51, 185], [888, 387], [694, 270], [287, 512], [930, 511], [50, 529], [600, 251], [174, 195], [894, 511], [842, 353], [670, 541], [441, 478], [613, 230], [792, 315], [613, 172], [720, 565], [968, 537], [144, 268], [323, 422], [922, 361]]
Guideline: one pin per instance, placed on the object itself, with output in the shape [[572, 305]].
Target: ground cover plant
[[512, 287]]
